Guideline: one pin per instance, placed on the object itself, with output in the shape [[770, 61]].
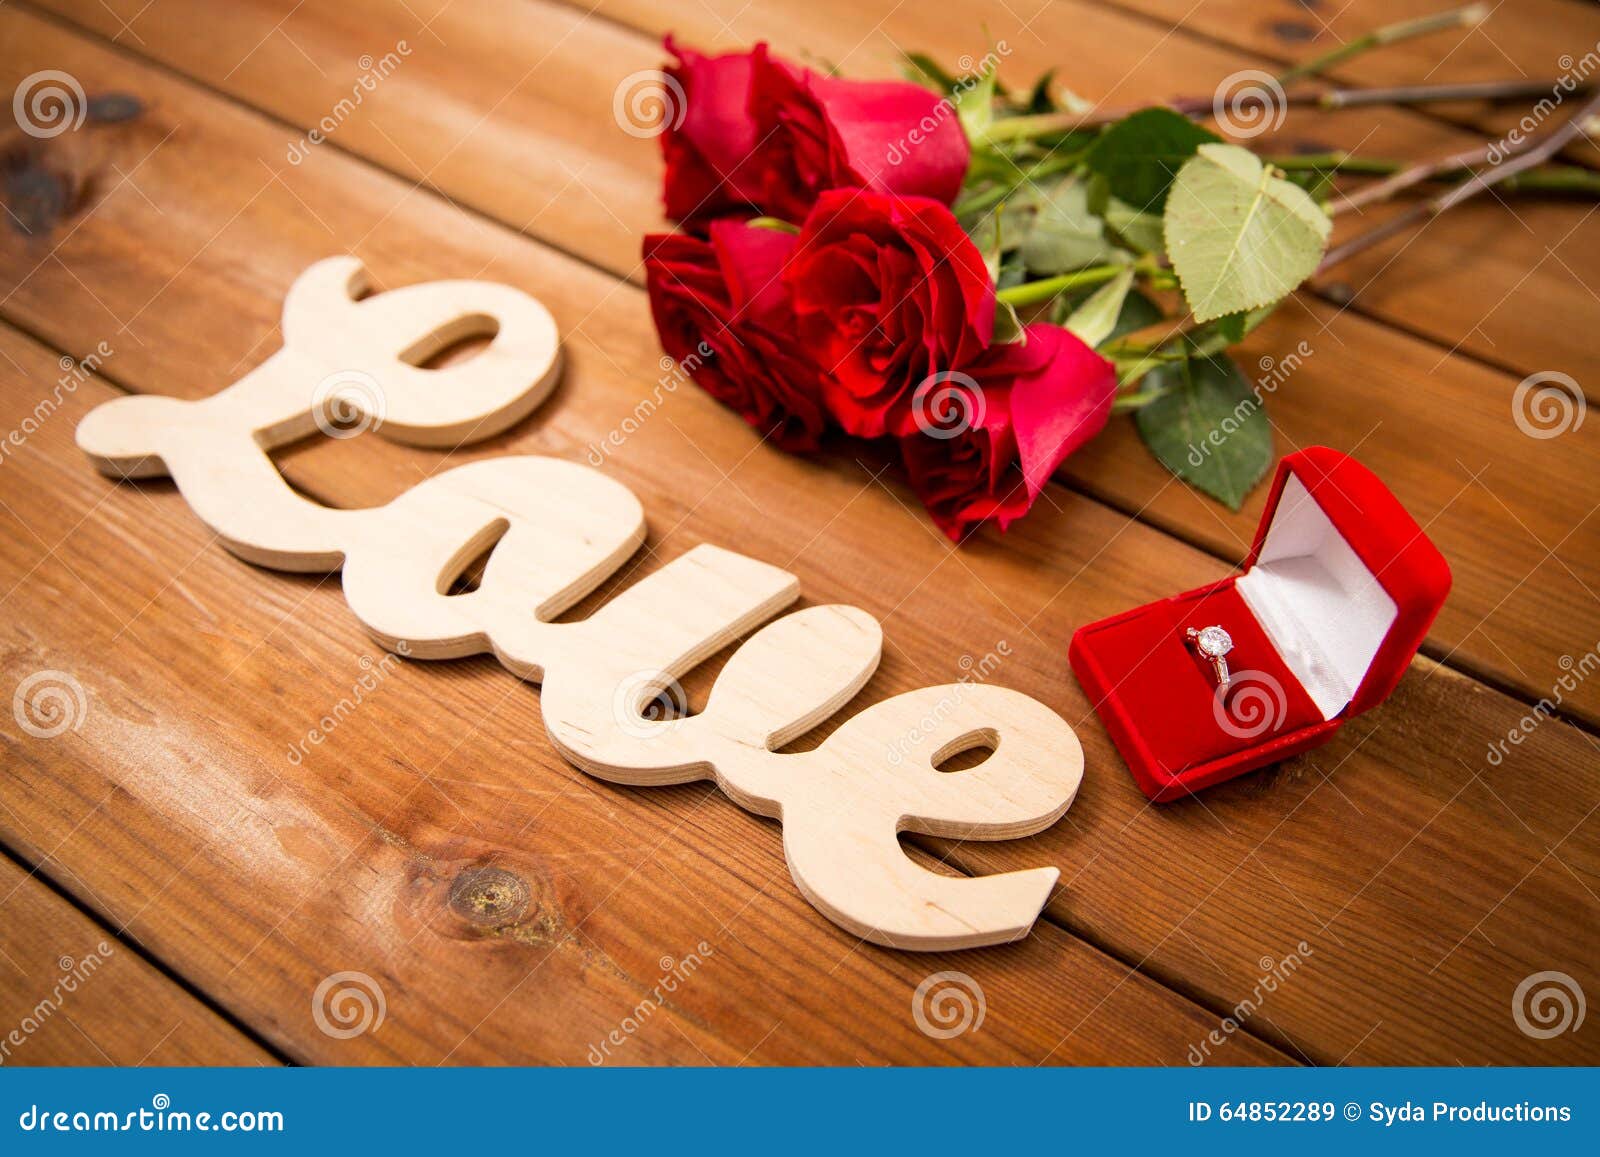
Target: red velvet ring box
[[1334, 599]]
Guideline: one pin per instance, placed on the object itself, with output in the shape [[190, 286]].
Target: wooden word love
[[557, 530]]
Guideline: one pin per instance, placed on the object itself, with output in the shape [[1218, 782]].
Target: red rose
[[815, 133], [707, 152], [887, 290], [752, 130], [724, 315], [990, 437]]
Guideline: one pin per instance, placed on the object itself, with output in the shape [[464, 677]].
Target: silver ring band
[[1212, 643]]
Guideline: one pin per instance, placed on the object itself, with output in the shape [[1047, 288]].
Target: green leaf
[[1232, 327], [988, 241], [1069, 101], [975, 104], [920, 68], [1143, 231], [1239, 236], [1097, 193], [994, 179], [1015, 215], [1141, 154], [1138, 311], [1094, 320], [1318, 183], [1208, 427], [1008, 326], [1064, 234], [1012, 272], [989, 165], [1228, 330], [1039, 99]]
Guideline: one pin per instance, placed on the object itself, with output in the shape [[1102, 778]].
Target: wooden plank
[[1427, 881], [1198, 892], [508, 107], [1521, 40], [72, 993], [507, 908], [1362, 387]]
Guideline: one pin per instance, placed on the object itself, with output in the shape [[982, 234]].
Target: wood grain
[[1511, 513], [1521, 40], [1395, 840], [557, 531], [74, 994], [1470, 281], [509, 107], [509, 909]]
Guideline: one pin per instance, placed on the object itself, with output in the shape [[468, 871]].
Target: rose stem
[[1334, 161], [988, 198], [1517, 159], [1515, 164], [1555, 179], [1549, 178], [1044, 124], [1034, 292], [1488, 90], [1512, 168], [1469, 17], [1023, 127], [1407, 177], [1134, 401]]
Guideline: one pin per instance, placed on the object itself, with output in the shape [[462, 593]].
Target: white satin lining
[[1322, 609]]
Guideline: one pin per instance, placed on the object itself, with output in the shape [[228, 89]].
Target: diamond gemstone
[[1215, 642]]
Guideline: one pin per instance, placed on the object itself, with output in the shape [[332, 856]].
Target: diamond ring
[[1214, 643]]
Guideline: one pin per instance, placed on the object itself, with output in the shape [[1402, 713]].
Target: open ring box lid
[[1333, 601]]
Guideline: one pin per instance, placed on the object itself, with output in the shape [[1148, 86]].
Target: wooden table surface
[[1395, 887]]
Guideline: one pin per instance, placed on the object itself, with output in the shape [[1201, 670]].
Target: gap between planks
[[1200, 35], [347, 156], [98, 37], [39, 874], [1445, 657], [1340, 301], [1273, 1040], [1450, 658]]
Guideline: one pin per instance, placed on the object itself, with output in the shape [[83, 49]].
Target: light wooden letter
[[558, 530]]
